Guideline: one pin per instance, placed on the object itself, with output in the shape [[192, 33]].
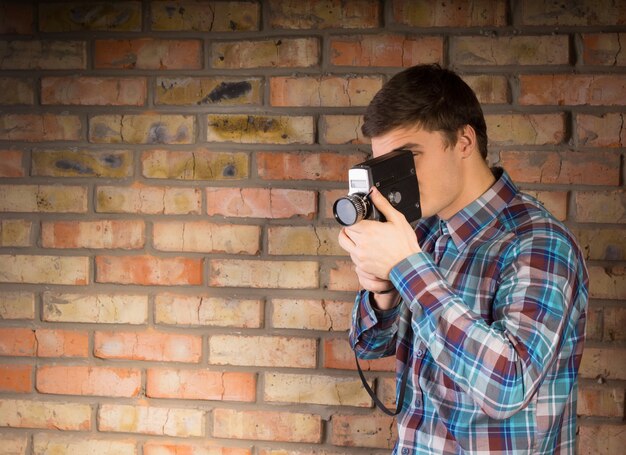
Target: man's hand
[[375, 247]]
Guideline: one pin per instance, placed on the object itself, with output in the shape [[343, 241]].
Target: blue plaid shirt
[[491, 323]]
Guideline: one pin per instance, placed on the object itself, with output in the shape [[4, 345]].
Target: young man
[[484, 300]]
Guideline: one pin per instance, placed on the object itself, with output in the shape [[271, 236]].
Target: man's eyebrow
[[408, 145]]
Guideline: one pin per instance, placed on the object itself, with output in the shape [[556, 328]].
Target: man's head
[[431, 98]]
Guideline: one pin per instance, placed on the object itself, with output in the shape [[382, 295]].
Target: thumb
[[383, 205]]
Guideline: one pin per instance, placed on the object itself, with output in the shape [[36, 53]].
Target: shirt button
[[418, 403], [405, 451], [419, 353]]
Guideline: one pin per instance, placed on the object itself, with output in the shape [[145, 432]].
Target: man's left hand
[[377, 247]]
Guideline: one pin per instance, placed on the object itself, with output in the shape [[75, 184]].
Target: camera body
[[393, 174]]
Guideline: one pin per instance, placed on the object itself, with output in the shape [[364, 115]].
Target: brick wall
[[170, 280]]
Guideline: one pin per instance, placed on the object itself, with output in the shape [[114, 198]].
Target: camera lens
[[351, 209]]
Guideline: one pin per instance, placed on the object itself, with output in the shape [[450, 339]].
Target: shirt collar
[[472, 219]]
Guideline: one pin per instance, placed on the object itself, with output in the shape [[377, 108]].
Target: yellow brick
[[267, 351], [264, 274], [142, 129], [45, 414], [148, 200], [16, 233], [124, 16], [95, 308], [84, 163], [304, 240], [17, 305], [308, 314], [49, 55], [43, 198], [206, 237], [269, 129], [151, 420], [206, 16], [44, 269], [196, 165], [193, 91]]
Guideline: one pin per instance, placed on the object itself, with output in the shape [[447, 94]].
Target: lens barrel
[[351, 209]]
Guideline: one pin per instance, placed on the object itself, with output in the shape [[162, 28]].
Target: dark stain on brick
[[69, 165], [157, 134], [112, 161], [227, 91], [229, 170]]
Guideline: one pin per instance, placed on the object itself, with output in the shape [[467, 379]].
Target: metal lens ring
[[351, 209]]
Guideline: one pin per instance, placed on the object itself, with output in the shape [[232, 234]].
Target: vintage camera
[[393, 174]]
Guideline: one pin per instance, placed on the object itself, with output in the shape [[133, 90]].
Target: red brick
[[572, 90], [188, 448], [88, 380], [16, 378], [600, 401], [62, 343], [598, 439], [385, 50], [98, 91], [469, 13], [149, 345], [342, 277], [601, 206], [148, 270], [261, 202], [324, 166], [567, 168], [201, 385], [603, 49], [11, 163], [148, 54], [123, 234], [17, 17], [339, 355], [605, 130], [17, 342]]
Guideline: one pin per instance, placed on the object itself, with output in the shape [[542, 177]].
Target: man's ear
[[466, 141]]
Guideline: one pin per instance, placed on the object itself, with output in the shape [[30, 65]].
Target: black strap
[[380, 405]]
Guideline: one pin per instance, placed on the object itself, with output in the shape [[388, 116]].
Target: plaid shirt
[[492, 325]]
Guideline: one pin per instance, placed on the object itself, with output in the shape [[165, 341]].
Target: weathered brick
[[607, 439], [315, 389], [139, 198], [206, 16], [329, 197], [510, 50], [304, 240], [603, 363], [323, 91], [526, 129], [322, 15], [473, 13], [263, 351], [148, 54], [62, 343], [554, 201], [324, 166], [154, 420], [12, 163], [200, 385], [602, 244], [124, 16], [572, 89], [372, 430], [206, 237], [339, 355], [17, 18], [266, 53], [614, 323], [342, 277], [142, 129], [194, 310], [149, 345], [342, 129], [267, 425], [148, 270], [603, 49], [309, 314], [264, 274], [48, 443], [261, 202], [605, 130], [267, 451], [489, 89], [16, 233], [260, 129], [17, 305], [195, 165], [595, 401], [385, 49], [95, 308], [88, 380], [97, 91], [82, 163], [45, 414], [40, 127], [190, 91], [45, 55], [16, 378], [206, 447], [14, 444], [43, 198], [568, 168], [600, 206], [595, 321], [44, 269], [18, 342], [607, 282], [581, 13], [123, 234], [14, 91]]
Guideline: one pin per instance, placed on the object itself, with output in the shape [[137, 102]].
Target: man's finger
[[383, 205]]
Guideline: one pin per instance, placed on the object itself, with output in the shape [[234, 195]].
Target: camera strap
[[371, 393]]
